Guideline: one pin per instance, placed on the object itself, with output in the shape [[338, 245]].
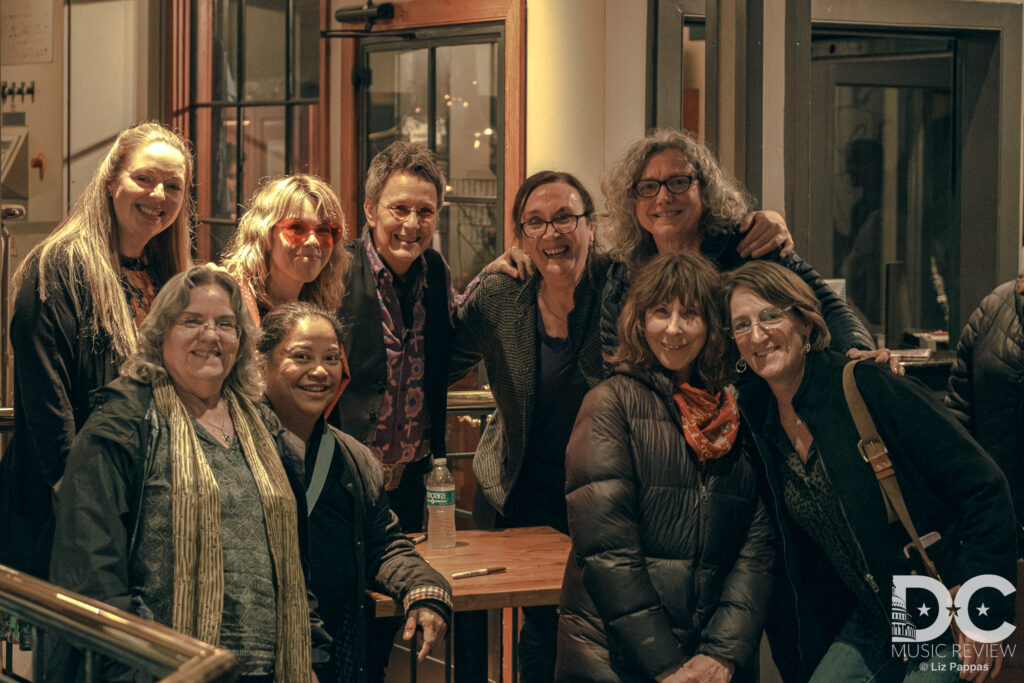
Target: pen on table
[[478, 572], [418, 539]]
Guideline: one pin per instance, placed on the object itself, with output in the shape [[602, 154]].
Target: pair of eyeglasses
[[225, 329], [766, 319], [296, 231], [563, 224], [401, 212], [650, 187]]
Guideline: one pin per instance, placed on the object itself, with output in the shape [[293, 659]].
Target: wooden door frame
[[413, 14]]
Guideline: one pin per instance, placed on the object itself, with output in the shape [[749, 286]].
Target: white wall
[[585, 81]]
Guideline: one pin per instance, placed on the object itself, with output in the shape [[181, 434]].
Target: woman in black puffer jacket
[[671, 571]]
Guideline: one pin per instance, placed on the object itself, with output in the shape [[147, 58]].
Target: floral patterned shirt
[[403, 423], [140, 287]]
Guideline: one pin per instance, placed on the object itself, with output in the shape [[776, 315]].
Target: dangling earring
[[741, 366], [807, 348]]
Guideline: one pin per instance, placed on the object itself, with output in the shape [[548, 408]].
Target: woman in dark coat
[[79, 297], [179, 502], [671, 571], [355, 541], [986, 385], [833, 616]]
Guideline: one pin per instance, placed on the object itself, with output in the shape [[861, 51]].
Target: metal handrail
[[470, 401], [99, 628]]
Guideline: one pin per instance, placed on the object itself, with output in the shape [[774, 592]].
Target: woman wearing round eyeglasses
[[667, 193], [539, 341], [182, 501], [834, 601], [289, 245]]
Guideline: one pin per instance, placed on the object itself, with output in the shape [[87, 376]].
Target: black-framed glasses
[[401, 212], [766, 319], [650, 187], [563, 223]]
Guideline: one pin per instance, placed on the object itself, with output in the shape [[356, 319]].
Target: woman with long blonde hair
[[79, 297], [288, 246]]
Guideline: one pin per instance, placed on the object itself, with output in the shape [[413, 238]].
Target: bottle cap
[[441, 461]]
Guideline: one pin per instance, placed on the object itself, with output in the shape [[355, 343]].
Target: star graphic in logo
[[983, 610], [923, 611], [953, 610]]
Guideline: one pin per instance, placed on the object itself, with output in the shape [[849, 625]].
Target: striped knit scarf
[[195, 507]]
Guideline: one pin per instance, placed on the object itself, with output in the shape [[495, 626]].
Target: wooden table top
[[533, 557]]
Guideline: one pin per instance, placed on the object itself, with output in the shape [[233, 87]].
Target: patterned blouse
[[140, 284]]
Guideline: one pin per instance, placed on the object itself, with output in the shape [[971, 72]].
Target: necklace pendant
[[226, 437]]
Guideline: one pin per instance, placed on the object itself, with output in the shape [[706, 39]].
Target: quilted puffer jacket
[[986, 385], [670, 558]]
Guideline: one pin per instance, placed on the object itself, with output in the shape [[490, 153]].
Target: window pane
[[216, 178], [264, 50], [397, 99], [306, 40], [468, 139], [305, 137], [224, 55], [263, 135], [469, 235]]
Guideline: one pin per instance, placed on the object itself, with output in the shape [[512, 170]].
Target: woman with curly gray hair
[[176, 504], [667, 193]]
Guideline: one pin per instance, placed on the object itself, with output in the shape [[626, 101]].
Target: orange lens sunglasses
[[296, 232]]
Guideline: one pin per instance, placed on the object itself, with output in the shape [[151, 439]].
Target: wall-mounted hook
[[39, 161], [31, 90], [3, 91]]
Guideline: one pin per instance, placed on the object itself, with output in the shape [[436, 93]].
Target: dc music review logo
[[949, 611]]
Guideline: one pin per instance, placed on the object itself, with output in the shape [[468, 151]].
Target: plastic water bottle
[[441, 506]]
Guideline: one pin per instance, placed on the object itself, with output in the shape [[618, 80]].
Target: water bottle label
[[440, 497]]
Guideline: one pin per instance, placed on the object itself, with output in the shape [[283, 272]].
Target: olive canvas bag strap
[[875, 454]]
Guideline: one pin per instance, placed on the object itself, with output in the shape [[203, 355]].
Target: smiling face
[[198, 353], [557, 256], [147, 195], [676, 336], [672, 219], [294, 265], [303, 372], [775, 353], [402, 241]]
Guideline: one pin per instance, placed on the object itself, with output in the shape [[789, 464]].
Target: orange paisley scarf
[[710, 422]]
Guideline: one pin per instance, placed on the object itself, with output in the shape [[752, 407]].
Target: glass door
[[882, 199]]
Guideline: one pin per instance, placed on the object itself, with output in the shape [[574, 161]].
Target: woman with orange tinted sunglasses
[[288, 246]]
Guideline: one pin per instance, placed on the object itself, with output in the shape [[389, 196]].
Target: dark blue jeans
[[857, 657]]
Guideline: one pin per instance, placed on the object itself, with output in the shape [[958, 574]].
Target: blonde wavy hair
[[725, 201], [248, 254], [85, 242]]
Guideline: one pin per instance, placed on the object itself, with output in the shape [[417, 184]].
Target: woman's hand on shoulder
[[514, 263], [765, 231], [882, 355], [700, 669]]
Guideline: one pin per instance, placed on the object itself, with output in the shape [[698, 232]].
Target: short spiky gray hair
[[724, 199], [403, 156], [147, 362]]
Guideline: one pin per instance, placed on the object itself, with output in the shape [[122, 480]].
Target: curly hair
[[87, 239], [147, 362], [398, 157], [248, 254], [724, 200], [780, 287], [695, 282]]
